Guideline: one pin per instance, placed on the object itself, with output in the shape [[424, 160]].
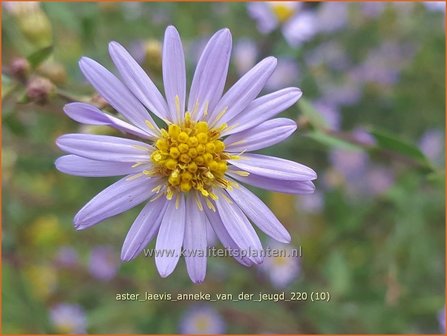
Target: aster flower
[[186, 171], [270, 14], [68, 318], [281, 267], [202, 320], [297, 25]]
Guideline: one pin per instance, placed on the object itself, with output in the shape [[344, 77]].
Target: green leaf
[[38, 57], [333, 142], [390, 142], [309, 111]]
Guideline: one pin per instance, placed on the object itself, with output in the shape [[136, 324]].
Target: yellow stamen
[[156, 189], [134, 177], [240, 172], [210, 205], [150, 125], [177, 106], [145, 149], [205, 109], [198, 202], [220, 115], [189, 156], [196, 108], [138, 164]]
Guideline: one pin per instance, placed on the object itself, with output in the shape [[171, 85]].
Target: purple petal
[[259, 213], [195, 241], [170, 237], [104, 147], [91, 115], [273, 167], [211, 237], [79, 166], [240, 229], [115, 199], [117, 95], [143, 228], [262, 109], [174, 73], [211, 72], [283, 186], [222, 234], [138, 81], [264, 135], [241, 94]]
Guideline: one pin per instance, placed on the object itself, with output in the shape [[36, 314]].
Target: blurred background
[[371, 123]]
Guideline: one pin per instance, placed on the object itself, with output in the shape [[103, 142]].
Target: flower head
[[68, 318], [270, 14], [186, 169], [202, 320], [283, 265]]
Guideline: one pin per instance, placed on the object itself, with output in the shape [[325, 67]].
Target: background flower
[[68, 318], [283, 269], [200, 319]]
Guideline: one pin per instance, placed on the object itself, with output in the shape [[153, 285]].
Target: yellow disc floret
[[283, 11], [191, 157]]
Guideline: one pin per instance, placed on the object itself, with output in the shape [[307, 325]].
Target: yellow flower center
[[280, 261], [190, 156], [283, 12], [202, 323]]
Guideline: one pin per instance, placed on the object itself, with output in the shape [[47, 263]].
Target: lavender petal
[[240, 229], [79, 166], [138, 81], [170, 237], [259, 213], [91, 115], [264, 135], [211, 73], [195, 241], [243, 92], [283, 186], [174, 73], [262, 109], [144, 228], [104, 147], [222, 234], [273, 167], [117, 95], [115, 199]]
